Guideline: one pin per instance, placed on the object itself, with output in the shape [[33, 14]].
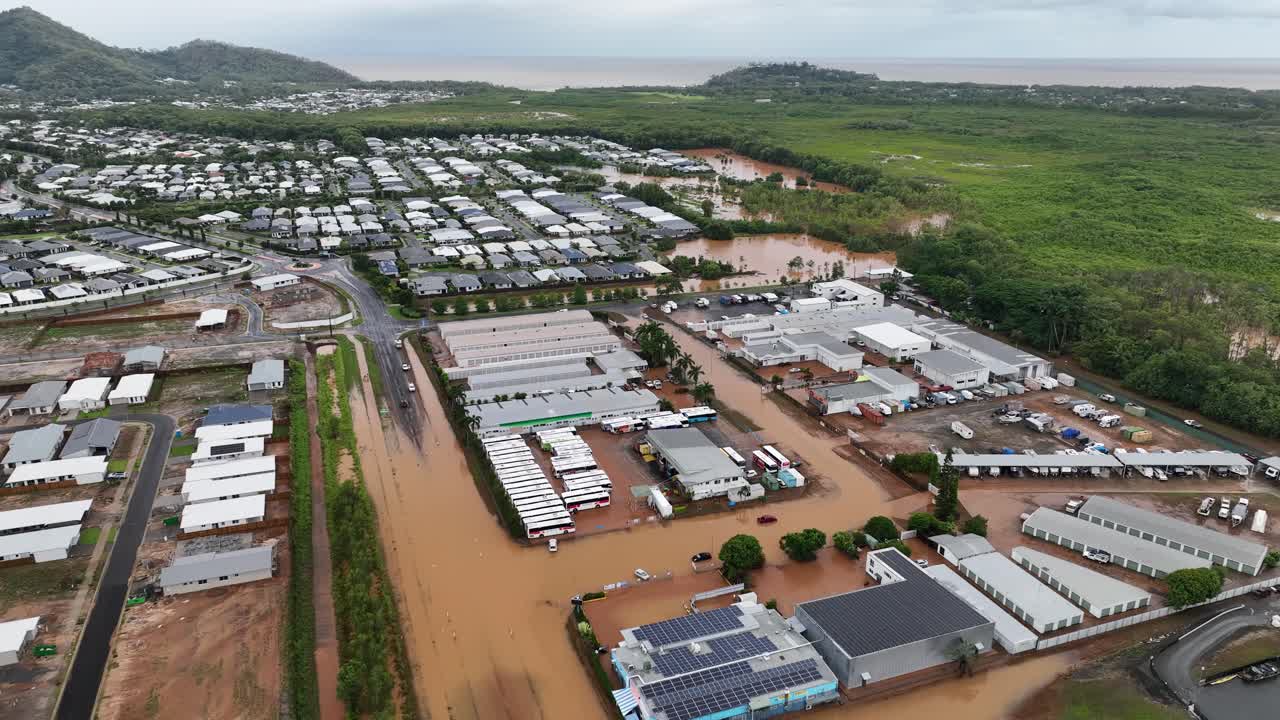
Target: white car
[[404, 367], [399, 343], [643, 576], [1206, 506], [413, 388], [1224, 511], [552, 545], [1098, 556]]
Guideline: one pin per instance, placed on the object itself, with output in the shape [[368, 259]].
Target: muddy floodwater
[[485, 618], [769, 254], [741, 167]]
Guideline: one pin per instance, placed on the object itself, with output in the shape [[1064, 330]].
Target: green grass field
[[89, 536]]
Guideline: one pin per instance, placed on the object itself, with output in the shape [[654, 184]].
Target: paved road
[[80, 693], [1177, 665]]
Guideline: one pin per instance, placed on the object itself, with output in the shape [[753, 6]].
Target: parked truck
[[1240, 512], [962, 430]]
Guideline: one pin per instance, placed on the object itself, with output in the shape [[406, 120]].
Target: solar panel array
[[680, 659], [689, 627], [729, 686]]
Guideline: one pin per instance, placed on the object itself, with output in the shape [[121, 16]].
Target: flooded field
[[768, 255], [485, 617], [741, 167]]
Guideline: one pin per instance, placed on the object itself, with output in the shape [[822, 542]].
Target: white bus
[[666, 422], [597, 484], [777, 456], [516, 467], [511, 452], [575, 466], [734, 456], [764, 462], [536, 515], [701, 413], [524, 486], [586, 500], [583, 474], [504, 447], [532, 507], [499, 439], [516, 462], [569, 448], [523, 493], [549, 528], [522, 476], [620, 425]]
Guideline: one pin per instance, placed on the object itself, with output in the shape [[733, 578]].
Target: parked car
[[1097, 555], [766, 519], [1191, 422], [922, 563], [1073, 506], [404, 403], [701, 557], [1106, 397], [1206, 506], [413, 388], [1224, 511], [117, 476], [642, 576], [553, 545], [399, 343]]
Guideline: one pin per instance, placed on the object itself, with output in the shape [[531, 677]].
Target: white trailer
[[1259, 522], [962, 430]]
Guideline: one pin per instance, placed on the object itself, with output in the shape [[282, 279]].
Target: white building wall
[[217, 583]]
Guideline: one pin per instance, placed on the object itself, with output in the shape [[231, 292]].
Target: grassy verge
[[1250, 647], [584, 643], [370, 643], [375, 371], [300, 615], [398, 312], [92, 414], [89, 536], [120, 465], [182, 449], [1114, 698]]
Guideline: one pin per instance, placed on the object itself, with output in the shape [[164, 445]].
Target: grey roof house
[[35, 445], [143, 359], [39, 399], [96, 437], [236, 414], [267, 375]]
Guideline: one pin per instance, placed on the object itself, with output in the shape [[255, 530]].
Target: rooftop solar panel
[[721, 688], [681, 659], [689, 627]]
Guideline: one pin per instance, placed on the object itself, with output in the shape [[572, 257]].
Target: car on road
[[552, 545], [1206, 506], [701, 557], [399, 343], [1100, 556], [404, 403], [413, 388], [405, 367], [1192, 422], [642, 575], [766, 519]]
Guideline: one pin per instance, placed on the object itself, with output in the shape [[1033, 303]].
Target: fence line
[[1046, 643]]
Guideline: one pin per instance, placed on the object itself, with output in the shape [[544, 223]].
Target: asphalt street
[[1177, 665], [80, 693]]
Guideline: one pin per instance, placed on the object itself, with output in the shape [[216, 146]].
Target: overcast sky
[[341, 29]]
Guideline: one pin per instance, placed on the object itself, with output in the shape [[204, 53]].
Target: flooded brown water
[[741, 167], [769, 254], [484, 618]]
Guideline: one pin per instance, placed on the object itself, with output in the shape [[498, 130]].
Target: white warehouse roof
[[232, 468], [1099, 591], [13, 634], [59, 538], [1163, 559], [198, 491], [1231, 547], [57, 468], [216, 433], [211, 317], [223, 511], [890, 335], [1012, 635], [1047, 610]]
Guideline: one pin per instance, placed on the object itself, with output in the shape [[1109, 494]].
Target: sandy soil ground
[[296, 303], [218, 651], [29, 689]]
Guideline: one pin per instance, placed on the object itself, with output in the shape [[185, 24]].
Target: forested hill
[[49, 59]]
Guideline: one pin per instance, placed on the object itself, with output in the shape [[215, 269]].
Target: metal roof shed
[[954, 548], [14, 636], [29, 519], [42, 545], [1012, 635], [223, 513], [1030, 600], [1235, 553], [1099, 594], [217, 569], [1126, 550]]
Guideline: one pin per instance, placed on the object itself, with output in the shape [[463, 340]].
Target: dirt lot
[[297, 303], [916, 431], [29, 688], [195, 357], [217, 650]]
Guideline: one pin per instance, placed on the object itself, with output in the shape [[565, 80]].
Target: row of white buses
[[768, 458], [541, 510]]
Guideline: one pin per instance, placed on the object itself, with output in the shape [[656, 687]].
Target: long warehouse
[[561, 410], [1011, 634], [1235, 553], [1029, 599], [1099, 594], [1127, 551]]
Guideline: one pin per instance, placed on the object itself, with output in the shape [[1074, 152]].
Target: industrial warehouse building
[[742, 661], [1235, 553], [1099, 594], [945, 367], [223, 513], [1126, 550], [844, 290], [206, 571], [613, 378], [800, 347], [491, 341], [1010, 633], [954, 548], [689, 457], [15, 635], [1030, 600], [1004, 361], [875, 385], [892, 341], [561, 410], [908, 622]]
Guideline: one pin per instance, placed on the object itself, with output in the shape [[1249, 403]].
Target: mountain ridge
[[44, 57]]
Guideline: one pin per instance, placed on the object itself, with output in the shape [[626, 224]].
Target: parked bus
[[523, 478], [583, 474], [565, 447], [597, 478], [515, 466], [700, 414], [508, 452], [777, 456], [499, 439], [764, 462], [664, 422], [620, 425], [534, 506], [576, 466], [734, 456], [523, 486], [521, 473], [542, 514], [504, 446], [549, 528], [594, 485], [586, 500], [510, 462]]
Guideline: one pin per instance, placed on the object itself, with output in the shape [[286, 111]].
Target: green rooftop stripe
[[539, 421]]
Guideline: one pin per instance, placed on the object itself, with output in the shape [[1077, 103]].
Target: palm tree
[[692, 373], [680, 368], [704, 393]]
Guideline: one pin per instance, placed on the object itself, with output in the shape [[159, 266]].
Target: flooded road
[[484, 618]]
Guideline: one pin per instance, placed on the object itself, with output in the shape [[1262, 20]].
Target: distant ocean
[[550, 73]]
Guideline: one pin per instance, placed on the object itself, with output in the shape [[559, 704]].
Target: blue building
[[743, 661]]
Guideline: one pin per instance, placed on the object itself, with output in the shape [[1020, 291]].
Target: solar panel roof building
[[908, 622], [724, 663], [1235, 553]]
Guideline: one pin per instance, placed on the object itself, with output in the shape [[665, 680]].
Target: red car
[[766, 519]]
